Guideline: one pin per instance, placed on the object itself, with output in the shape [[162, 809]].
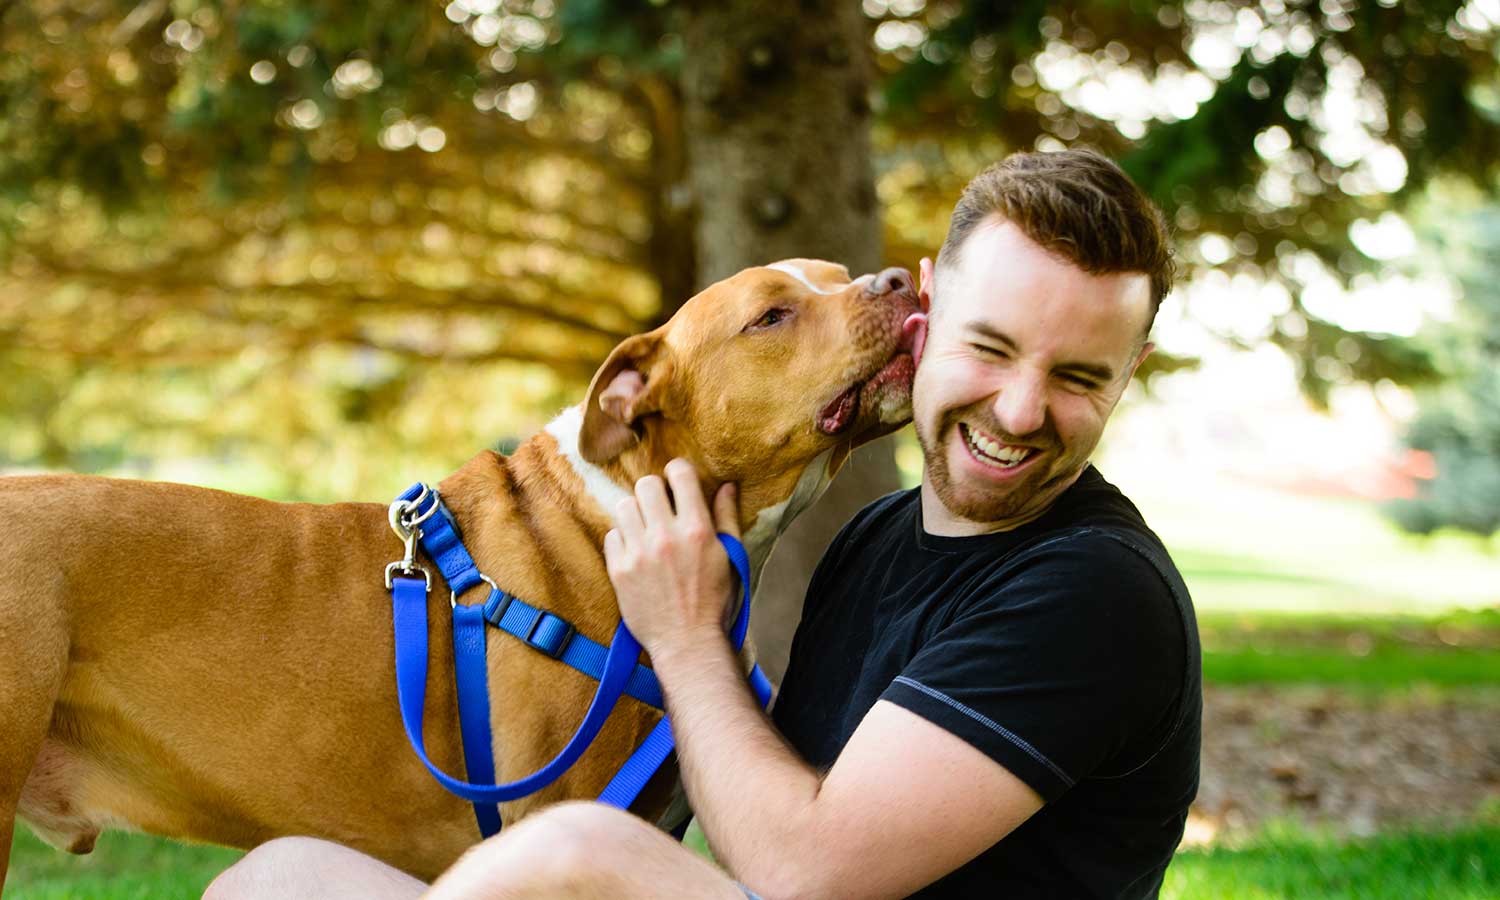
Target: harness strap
[[471, 675], [409, 613], [638, 770], [615, 668], [556, 637], [654, 750], [553, 635]]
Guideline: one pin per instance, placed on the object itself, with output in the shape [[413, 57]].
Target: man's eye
[[986, 350], [1079, 381], [771, 317]]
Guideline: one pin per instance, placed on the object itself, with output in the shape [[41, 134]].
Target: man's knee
[[263, 867], [579, 836], [570, 845], [301, 867]]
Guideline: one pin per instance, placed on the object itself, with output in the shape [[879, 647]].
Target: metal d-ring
[[396, 514], [453, 595], [437, 501]]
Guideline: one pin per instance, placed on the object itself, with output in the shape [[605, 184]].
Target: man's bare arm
[[906, 801]]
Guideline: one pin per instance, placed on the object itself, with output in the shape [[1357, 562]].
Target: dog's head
[[768, 378]]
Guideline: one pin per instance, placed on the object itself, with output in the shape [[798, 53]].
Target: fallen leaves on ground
[[1350, 761]]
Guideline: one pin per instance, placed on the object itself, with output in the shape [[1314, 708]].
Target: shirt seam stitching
[[989, 723]]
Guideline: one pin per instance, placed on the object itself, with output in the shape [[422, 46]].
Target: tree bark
[[777, 133]]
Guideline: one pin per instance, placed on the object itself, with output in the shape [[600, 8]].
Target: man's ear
[[926, 284], [1146, 349], [627, 387]]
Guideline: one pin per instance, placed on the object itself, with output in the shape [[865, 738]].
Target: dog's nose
[[893, 279]]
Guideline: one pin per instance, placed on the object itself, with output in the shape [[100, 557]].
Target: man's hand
[[670, 573]]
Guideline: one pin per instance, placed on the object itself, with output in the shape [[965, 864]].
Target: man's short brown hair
[[1077, 204]]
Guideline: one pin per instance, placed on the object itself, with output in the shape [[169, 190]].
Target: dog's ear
[[627, 387]]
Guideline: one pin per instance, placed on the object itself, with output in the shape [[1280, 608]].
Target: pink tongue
[[914, 335]]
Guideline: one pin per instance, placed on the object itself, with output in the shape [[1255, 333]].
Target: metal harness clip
[[406, 527]]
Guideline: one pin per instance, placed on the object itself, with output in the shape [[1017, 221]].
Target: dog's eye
[[773, 316]]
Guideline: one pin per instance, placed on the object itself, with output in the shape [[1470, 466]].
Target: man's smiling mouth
[[992, 452]]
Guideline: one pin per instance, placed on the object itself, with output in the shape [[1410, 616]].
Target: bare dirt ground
[[1350, 761]]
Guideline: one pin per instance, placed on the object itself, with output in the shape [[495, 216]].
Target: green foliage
[[484, 183], [1460, 423]]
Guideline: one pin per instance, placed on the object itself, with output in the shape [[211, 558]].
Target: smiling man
[[995, 688]]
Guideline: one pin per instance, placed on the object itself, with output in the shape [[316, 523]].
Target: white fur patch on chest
[[605, 490], [773, 520]]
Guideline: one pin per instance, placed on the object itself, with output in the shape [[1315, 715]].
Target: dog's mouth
[[899, 369]]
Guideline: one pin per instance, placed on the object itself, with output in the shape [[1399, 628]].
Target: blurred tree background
[[315, 249], [1460, 424], [333, 244]]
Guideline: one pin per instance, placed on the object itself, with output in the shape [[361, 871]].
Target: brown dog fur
[[219, 668]]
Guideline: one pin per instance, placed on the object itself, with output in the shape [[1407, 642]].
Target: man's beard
[[1020, 499]]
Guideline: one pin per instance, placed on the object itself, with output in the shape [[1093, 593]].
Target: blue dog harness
[[419, 515]]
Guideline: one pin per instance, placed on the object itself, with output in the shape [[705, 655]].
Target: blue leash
[[419, 515]]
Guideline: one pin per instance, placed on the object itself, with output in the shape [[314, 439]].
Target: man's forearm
[[752, 794]]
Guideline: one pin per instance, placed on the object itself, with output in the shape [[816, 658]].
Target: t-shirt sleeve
[[1059, 671]]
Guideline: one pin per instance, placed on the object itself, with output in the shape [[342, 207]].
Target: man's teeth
[[989, 450]]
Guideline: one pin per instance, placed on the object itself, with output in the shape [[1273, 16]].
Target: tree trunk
[[777, 119]]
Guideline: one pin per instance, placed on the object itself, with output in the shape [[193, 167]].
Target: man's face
[[1026, 356]]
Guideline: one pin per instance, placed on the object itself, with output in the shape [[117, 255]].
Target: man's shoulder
[[894, 501], [877, 515], [1095, 513], [1093, 500]]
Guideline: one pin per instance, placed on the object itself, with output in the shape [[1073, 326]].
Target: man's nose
[[1020, 406], [893, 279]]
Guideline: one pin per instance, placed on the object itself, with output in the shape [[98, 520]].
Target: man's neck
[[940, 521]]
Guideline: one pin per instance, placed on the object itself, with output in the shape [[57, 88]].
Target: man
[[995, 689]]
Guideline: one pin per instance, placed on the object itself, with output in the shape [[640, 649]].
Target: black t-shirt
[[1066, 650]]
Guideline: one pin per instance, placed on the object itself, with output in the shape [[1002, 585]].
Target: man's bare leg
[[301, 868], [573, 850], [583, 851]]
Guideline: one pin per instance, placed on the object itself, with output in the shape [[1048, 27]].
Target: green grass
[[1291, 863], [1296, 590], [122, 867], [1389, 667], [1461, 648], [1284, 862]]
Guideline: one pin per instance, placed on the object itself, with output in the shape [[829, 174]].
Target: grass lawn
[[1283, 863], [1380, 653], [1294, 589], [1289, 863], [122, 867]]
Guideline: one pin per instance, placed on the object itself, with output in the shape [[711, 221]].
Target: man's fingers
[[628, 520], [727, 509], [687, 492], [651, 494]]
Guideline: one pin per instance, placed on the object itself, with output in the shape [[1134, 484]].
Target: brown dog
[[219, 668]]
